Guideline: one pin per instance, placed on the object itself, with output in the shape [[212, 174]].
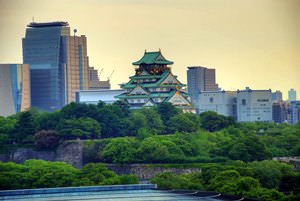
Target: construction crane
[[100, 73], [108, 78]]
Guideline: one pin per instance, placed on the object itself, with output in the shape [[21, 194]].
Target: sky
[[253, 43]]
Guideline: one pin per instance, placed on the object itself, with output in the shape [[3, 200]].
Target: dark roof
[[153, 58], [47, 24]]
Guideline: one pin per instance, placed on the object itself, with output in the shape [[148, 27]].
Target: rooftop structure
[[94, 96], [47, 24], [154, 83], [133, 192]]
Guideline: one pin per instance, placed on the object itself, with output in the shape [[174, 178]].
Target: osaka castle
[[154, 83]]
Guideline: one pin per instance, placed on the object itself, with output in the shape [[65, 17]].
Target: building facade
[[200, 79], [277, 96], [154, 83], [254, 105], [292, 95], [94, 96], [58, 64], [295, 112], [14, 88], [222, 102], [281, 111], [94, 81]]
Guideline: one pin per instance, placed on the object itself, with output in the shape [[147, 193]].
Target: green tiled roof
[[153, 58], [163, 76], [152, 95]]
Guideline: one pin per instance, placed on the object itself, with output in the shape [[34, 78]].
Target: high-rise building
[[254, 105], [277, 96], [58, 64], [154, 83], [292, 95], [295, 112], [200, 79], [222, 102], [280, 111], [14, 88]]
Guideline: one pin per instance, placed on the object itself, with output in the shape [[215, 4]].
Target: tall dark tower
[[58, 64]]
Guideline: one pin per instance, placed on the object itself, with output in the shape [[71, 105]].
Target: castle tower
[[154, 83]]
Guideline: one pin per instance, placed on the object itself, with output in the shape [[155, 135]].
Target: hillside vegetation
[[234, 157]]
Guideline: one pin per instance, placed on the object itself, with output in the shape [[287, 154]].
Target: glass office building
[[14, 88], [58, 64]]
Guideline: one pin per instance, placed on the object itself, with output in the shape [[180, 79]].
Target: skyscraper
[[58, 64], [292, 95], [200, 79], [14, 88]]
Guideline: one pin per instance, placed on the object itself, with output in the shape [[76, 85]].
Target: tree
[[248, 148], [26, 126], [151, 150], [83, 128], [79, 110], [212, 121], [166, 111], [184, 122], [46, 139], [138, 121], [119, 151], [155, 124]]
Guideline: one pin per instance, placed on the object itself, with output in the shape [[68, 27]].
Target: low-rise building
[[254, 105], [94, 96], [222, 102]]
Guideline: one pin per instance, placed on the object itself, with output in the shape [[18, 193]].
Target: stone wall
[[146, 171], [69, 152]]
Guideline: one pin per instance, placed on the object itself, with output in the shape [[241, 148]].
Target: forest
[[235, 158]]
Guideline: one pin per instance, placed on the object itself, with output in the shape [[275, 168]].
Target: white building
[[292, 95], [222, 102], [254, 105], [94, 96]]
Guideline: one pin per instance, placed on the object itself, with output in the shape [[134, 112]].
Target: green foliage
[[184, 122], [26, 126], [46, 139], [84, 128], [43, 174], [270, 172], [212, 121], [169, 180], [120, 150]]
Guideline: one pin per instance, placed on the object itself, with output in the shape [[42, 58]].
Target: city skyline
[[249, 43]]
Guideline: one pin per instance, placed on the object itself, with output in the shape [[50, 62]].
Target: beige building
[[14, 88], [94, 81], [77, 66]]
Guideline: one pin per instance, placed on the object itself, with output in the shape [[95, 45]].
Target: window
[[243, 101], [211, 99]]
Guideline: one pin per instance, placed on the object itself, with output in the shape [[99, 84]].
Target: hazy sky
[[253, 43]]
